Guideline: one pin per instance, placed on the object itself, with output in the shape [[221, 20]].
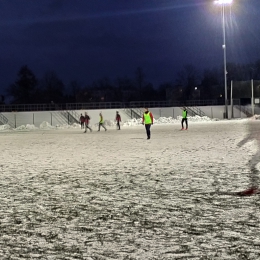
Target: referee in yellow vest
[[147, 121]]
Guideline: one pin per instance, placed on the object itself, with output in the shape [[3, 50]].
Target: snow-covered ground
[[109, 195]]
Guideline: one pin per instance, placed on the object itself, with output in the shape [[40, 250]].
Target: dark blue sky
[[86, 40]]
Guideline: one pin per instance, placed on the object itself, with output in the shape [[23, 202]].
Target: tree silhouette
[[52, 87], [75, 91], [125, 89], [188, 79], [139, 81], [24, 88], [189, 85], [210, 85]]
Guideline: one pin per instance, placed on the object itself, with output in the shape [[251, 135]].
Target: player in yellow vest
[[147, 121], [101, 122], [184, 119]]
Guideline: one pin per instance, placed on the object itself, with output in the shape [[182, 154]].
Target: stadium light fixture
[[221, 2]]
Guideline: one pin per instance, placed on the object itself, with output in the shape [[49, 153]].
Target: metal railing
[[246, 110], [95, 105], [195, 111], [105, 105], [210, 102], [134, 113], [150, 104], [3, 120], [74, 115]]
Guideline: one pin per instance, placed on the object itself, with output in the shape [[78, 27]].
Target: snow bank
[[46, 125], [4, 127], [131, 122], [255, 117], [27, 127]]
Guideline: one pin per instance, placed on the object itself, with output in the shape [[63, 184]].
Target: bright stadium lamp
[[223, 3]]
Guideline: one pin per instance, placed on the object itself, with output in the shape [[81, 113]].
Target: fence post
[[51, 119], [68, 118], [33, 118], [173, 113], [14, 120], [252, 98], [211, 113]]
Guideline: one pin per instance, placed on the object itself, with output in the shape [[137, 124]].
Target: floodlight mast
[[223, 4]]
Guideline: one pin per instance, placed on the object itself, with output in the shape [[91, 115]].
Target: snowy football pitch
[[115, 195]]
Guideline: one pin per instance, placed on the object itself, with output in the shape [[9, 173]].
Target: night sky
[[86, 40]]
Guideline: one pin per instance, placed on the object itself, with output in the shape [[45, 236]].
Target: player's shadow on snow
[[245, 193]]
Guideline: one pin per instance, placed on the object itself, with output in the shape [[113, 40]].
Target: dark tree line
[[189, 85]]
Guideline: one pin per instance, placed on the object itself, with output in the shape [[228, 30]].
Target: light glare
[[223, 2]]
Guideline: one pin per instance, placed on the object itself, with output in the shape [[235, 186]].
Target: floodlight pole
[[225, 58], [223, 3]]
